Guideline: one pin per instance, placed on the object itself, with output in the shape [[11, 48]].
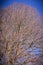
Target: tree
[[21, 41]]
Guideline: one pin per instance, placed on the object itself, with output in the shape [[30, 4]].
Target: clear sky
[[34, 3]]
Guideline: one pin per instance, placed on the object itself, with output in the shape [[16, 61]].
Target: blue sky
[[34, 3]]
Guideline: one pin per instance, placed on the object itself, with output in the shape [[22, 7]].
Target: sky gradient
[[38, 4]]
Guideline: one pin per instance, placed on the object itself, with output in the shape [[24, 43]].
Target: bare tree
[[21, 38]]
